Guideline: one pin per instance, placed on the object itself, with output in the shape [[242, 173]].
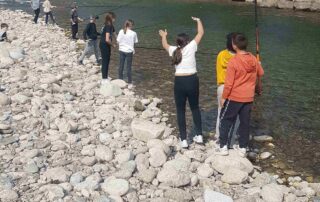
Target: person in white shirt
[[126, 40], [47, 10], [186, 83], [35, 5]]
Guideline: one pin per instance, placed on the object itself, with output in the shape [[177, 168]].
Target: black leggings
[[105, 54], [74, 30], [187, 87]]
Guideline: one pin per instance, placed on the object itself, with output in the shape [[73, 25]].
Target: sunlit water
[[289, 109]]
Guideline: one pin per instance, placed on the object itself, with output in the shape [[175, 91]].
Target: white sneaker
[[198, 139], [184, 144], [241, 151], [222, 151], [105, 81]]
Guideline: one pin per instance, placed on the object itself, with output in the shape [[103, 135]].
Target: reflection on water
[[290, 106]]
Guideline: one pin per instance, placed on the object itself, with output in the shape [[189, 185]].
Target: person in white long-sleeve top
[[47, 10], [126, 40]]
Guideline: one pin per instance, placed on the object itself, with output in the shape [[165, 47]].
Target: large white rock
[[179, 164], [272, 193], [103, 153], [156, 143], [233, 160], [119, 82], [147, 175], [20, 98], [157, 157], [8, 195], [115, 187], [90, 183], [4, 99], [205, 170], [234, 176], [52, 191], [110, 89], [173, 177], [57, 175], [16, 53], [146, 130], [212, 196]]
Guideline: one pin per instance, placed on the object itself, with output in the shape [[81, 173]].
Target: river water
[[289, 109]]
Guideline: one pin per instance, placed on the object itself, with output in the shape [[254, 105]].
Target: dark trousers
[[51, 16], [228, 116], [105, 54], [74, 30], [187, 88], [123, 57], [36, 15]]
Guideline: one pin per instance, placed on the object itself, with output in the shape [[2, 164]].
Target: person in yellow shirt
[[221, 67]]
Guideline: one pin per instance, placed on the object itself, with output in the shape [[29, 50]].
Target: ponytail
[[182, 41], [128, 23], [177, 56]]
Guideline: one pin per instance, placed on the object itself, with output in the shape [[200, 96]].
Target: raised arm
[[200, 29], [164, 40]]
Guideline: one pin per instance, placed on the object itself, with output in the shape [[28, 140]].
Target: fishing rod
[[257, 30]]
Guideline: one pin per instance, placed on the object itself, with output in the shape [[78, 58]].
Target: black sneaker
[[80, 62]]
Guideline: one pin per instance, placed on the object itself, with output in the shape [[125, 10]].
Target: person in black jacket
[[90, 34]]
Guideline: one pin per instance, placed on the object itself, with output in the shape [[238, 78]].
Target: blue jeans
[[90, 45], [123, 57]]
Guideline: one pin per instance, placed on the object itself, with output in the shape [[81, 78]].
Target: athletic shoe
[[198, 139], [184, 144], [222, 151], [241, 151], [105, 81], [130, 86]]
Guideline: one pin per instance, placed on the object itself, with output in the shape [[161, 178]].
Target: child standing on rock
[[106, 43], [47, 10], [186, 82], [238, 94], [126, 39]]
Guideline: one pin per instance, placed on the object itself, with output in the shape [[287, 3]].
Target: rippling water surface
[[289, 109]]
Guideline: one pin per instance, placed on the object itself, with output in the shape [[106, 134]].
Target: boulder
[[212, 196], [103, 153], [124, 156], [262, 138], [109, 89], [4, 99], [147, 175], [156, 143], [20, 98], [146, 130], [265, 155], [262, 180], [115, 187], [234, 176], [205, 170], [178, 195], [126, 170], [157, 157], [173, 177], [120, 83], [52, 176], [179, 164], [52, 191], [233, 160], [285, 4], [16, 53], [272, 193], [91, 183], [302, 4], [268, 3], [8, 195]]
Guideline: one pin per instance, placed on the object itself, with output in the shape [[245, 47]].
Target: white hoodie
[[47, 6]]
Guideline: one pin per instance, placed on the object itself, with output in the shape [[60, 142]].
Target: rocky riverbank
[[65, 138]]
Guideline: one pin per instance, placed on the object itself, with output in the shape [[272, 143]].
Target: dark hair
[[240, 41], [3, 25], [229, 41], [109, 17], [181, 41], [128, 23]]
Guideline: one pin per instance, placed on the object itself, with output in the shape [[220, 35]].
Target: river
[[289, 109]]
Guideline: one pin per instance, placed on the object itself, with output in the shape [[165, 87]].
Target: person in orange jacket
[[243, 70]]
